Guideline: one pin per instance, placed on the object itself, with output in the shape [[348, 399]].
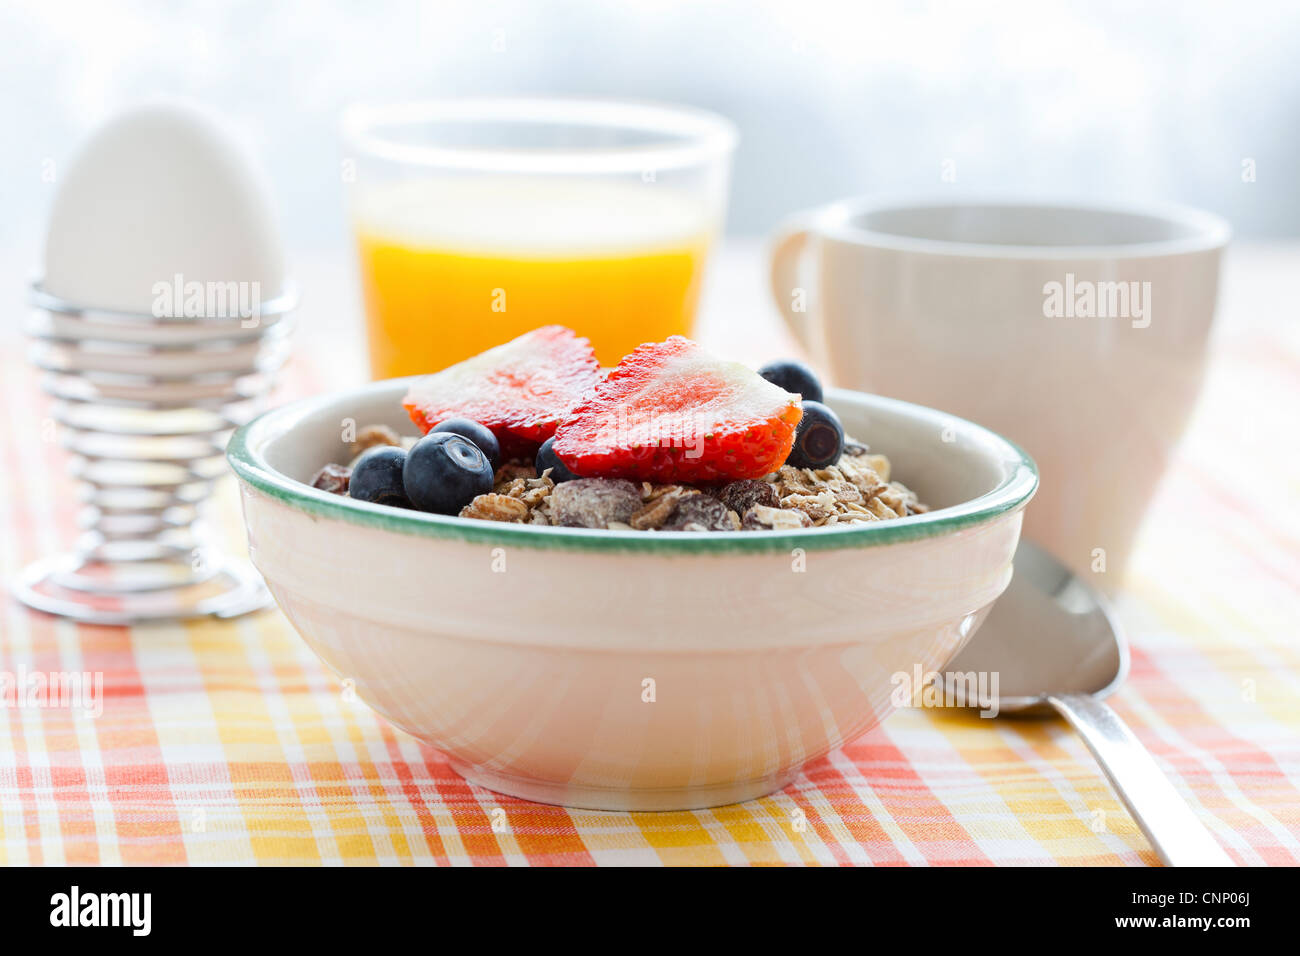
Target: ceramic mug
[[1078, 331]]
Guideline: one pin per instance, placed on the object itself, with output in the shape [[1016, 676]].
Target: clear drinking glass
[[478, 219]]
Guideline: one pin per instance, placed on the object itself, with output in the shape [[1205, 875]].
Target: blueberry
[[444, 472], [793, 377], [480, 435], [546, 458], [819, 438], [377, 477]]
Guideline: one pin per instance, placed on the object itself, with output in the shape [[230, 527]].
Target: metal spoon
[[1054, 644]]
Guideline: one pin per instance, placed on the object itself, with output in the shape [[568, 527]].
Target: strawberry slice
[[671, 412], [520, 390]]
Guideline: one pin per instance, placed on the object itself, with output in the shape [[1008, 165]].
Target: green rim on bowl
[[245, 456]]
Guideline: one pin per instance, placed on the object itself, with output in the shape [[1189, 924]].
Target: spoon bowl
[[1088, 653], [1056, 647]]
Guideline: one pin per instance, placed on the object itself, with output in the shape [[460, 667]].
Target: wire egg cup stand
[[145, 406]]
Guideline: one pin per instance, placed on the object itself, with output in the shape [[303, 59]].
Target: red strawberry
[[520, 390], [671, 412]]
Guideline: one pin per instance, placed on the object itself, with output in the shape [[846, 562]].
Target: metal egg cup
[[146, 405]]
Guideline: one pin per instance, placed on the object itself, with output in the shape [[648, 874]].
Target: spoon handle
[[1179, 838]]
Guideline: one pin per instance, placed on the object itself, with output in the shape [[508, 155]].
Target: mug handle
[[784, 259]]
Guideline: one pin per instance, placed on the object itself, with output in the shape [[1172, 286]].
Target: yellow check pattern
[[228, 742]]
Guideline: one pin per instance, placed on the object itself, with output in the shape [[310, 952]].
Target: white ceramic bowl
[[631, 670]]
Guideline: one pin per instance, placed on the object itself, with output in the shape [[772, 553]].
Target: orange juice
[[450, 269]]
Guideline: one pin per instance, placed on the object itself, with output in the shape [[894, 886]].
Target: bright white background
[[1153, 100]]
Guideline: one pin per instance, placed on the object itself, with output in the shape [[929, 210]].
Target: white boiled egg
[[160, 192]]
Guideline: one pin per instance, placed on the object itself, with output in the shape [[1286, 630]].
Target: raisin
[[740, 496], [699, 512], [333, 478], [594, 502]]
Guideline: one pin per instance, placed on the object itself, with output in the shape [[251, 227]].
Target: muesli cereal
[[623, 451], [594, 502], [763, 518], [700, 512], [373, 435], [742, 495], [495, 507], [333, 478]]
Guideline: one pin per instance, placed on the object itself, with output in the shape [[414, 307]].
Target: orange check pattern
[[227, 742]]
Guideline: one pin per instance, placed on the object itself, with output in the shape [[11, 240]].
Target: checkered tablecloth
[[228, 742]]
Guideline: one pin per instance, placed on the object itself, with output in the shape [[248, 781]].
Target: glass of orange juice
[[479, 219]]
